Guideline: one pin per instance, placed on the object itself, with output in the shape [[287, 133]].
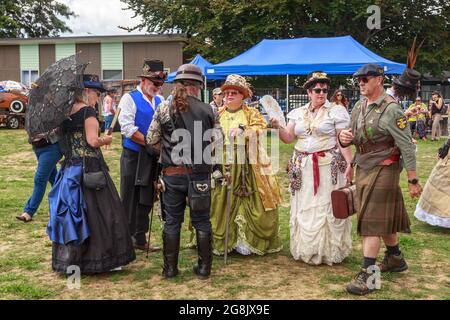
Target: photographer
[[435, 105]]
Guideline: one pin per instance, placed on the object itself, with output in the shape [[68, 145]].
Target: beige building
[[113, 58]]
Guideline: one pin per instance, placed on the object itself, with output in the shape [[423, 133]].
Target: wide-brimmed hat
[[92, 81], [235, 81], [408, 79], [316, 77], [189, 71], [153, 70]]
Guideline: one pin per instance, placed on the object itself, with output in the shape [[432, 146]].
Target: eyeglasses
[[318, 90], [157, 83], [230, 93]]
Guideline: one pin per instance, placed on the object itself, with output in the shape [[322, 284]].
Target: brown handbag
[[344, 202]]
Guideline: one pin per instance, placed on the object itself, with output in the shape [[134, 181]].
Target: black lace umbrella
[[52, 97]]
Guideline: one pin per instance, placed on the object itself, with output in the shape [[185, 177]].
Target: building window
[[29, 76], [112, 75]]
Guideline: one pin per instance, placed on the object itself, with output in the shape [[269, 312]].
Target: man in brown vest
[[380, 132]]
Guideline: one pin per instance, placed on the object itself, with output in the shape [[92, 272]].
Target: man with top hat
[[137, 110], [380, 132]]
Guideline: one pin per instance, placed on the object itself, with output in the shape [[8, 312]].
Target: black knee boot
[[204, 247], [171, 247]]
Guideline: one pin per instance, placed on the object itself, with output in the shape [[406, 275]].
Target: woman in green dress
[[255, 195]]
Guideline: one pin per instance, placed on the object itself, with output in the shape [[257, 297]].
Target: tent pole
[[206, 99], [287, 93]]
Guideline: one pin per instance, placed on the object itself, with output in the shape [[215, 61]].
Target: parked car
[[13, 101]]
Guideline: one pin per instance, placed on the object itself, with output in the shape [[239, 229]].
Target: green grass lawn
[[25, 251]]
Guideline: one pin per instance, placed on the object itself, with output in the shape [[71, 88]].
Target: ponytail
[[179, 98]]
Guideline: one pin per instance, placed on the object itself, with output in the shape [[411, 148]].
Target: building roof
[[97, 39]]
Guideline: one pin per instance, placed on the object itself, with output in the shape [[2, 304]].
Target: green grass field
[[25, 251]]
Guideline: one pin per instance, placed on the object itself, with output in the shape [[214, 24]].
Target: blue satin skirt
[[68, 223]]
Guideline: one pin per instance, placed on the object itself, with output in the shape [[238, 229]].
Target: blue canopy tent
[[202, 63], [336, 55]]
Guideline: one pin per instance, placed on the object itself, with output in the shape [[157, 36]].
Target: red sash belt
[[316, 173]]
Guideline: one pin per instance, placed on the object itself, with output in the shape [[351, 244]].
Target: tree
[[221, 29], [28, 18]]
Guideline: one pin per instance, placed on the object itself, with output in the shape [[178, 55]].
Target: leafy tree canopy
[[221, 29], [30, 18]]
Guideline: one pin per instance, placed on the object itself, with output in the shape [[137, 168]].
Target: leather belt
[[371, 147], [173, 171]]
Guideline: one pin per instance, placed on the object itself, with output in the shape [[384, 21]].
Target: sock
[[368, 262], [394, 250]]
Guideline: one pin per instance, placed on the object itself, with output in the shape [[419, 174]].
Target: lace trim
[[433, 220]]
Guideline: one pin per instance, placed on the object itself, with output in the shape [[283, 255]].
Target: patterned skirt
[[382, 209]]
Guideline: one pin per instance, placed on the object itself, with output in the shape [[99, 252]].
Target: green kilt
[[382, 209]]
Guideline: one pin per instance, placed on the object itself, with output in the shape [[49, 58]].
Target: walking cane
[[151, 210], [228, 212]]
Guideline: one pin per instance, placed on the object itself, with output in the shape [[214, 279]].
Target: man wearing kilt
[[380, 132]]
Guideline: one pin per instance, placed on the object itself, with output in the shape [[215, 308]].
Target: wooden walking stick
[[229, 186]]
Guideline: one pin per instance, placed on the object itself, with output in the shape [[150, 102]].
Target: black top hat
[[153, 70], [92, 81], [408, 79], [370, 69], [316, 77]]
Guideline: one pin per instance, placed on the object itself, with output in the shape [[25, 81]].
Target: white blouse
[[317, 131]]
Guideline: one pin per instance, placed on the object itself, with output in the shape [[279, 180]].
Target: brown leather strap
[[375, 147], [172, 171]]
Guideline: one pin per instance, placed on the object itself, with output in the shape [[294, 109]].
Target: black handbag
[[92, 180], [199, 195]]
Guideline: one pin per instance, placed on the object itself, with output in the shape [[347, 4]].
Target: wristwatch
[[413, 181]]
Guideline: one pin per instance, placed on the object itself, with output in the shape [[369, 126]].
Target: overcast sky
[[99, 17]]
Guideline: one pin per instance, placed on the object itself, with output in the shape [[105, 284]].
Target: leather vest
[[196, 121]]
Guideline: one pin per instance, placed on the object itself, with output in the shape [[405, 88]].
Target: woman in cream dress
[[317, 167], [434, 204]]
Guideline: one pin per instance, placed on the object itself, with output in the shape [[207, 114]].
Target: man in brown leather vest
[[381, 135]]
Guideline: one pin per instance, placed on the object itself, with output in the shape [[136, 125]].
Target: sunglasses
[[339, 95], [319, 90], [230, 93], [363, 79]]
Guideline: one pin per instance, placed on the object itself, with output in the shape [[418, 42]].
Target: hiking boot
[[393, 263], [359, 285]]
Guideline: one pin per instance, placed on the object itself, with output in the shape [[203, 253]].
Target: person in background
[[47, 154], [339, 99], [416, 114], [217, 102], [435, 105], [108, 110]]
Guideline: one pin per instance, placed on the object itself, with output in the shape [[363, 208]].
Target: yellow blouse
[[231, 120]]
